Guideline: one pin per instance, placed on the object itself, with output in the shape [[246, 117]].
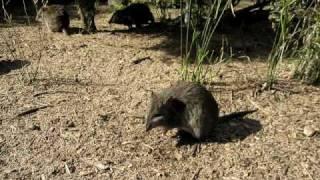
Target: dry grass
[[94, 128]]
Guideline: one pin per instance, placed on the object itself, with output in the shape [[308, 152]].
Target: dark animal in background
[[135, 14], [87, 13], [55, 18], [189, 107], [86, 8]]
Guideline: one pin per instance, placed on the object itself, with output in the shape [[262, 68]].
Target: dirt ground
[[92, 98]]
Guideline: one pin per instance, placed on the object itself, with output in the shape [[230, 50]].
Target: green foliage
[[283, 19], [298, 28], [308, 66], [117, 4], [194, 69]]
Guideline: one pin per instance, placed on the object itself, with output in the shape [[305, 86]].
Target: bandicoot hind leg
[[196, 149]]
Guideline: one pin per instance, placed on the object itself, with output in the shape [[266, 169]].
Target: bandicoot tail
[[236, 115]]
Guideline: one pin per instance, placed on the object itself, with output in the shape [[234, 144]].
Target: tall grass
[[297, 37], [194, 69], [162, 9], [308, 66], [281, 42]]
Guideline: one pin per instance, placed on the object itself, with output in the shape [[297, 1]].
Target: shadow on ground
[[247, 35], [152, 29], [19, 21], [70, 82], [74, 30], [6, 66], [225, 132]]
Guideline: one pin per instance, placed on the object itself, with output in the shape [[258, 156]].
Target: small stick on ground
[[136, 116], [138, 61], [258, 106], [67, 168], [231, 96], [306, 171], [148, 146], [96, 164], [52, 92], [196, 175], [33, 110], [285, 90]]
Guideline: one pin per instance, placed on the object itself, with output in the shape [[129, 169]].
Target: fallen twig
[[138, 61], [307, 172], [33, 110], [67, 168], [148, 146], [196, 175], [137, 116], [285, 90], [51, 92], [258, 106], [98, 165], [85, 173]]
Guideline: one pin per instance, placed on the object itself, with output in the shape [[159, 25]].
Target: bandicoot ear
[[176, 104]]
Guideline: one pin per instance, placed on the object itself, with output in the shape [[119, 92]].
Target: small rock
[[104, 117], [309, 131], [34, 127], [83, 46], [177, 155], [85, 173], [264, 86], [52, 129], [8, 171], [43, 177], [101, 166], [70, 124], [277, 177]]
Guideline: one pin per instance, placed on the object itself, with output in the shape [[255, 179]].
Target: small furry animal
[[135, 14], [187, 106], [55, 17]]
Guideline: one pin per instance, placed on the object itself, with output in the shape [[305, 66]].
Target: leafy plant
[[308, 66], [194, 69], [298, 26]]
